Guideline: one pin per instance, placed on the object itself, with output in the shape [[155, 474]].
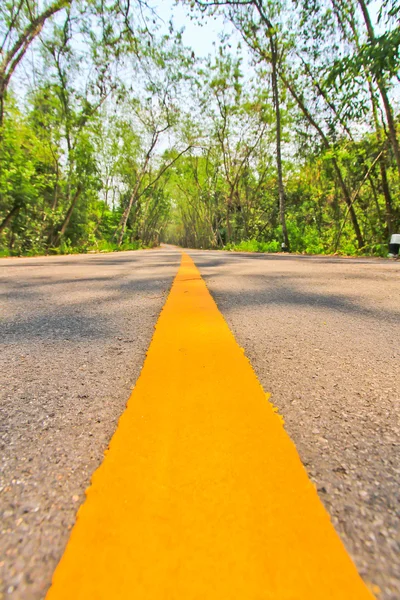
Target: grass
[[274, 246], [102, 246], [253, 246]]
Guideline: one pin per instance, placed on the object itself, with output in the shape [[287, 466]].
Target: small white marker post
[[394, 245]]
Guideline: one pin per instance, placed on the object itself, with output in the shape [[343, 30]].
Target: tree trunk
[[12, 58], [391, 124], [2, 96], [385, 187], [126, 213], [67, 218], [281, 189], [374, 106], [8, 218], [228, 221], [259, 5], [343, 187], [388, 197], [382, 165], [382, 89], [134, 195]]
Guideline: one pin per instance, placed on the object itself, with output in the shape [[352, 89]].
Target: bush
[[101, 246], [253, 246]]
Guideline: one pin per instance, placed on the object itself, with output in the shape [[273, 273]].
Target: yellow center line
[[202, 494]]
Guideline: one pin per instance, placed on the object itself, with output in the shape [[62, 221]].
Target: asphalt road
[[322, 335]]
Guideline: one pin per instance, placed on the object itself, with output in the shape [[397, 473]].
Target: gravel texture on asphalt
[[323, 335], [74, 333]]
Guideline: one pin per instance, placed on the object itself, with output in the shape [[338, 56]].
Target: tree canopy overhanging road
[[116, 132], [321, 334]]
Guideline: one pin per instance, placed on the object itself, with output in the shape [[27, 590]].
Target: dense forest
[[116, 134]]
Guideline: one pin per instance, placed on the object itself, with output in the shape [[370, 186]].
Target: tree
[[243, 15], [118, 135], [21, 22]]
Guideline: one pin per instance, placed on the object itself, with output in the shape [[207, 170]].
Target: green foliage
[[254, 246], [124, 139]]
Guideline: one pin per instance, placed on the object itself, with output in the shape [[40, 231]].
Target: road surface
[[321, 333]]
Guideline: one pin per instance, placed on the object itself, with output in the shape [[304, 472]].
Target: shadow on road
[[303, 287], [80, 299]]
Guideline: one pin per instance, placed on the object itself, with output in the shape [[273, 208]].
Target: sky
[[198, 36], [201, 37]]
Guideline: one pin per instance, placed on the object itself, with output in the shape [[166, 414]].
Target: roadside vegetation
[[116, 135]]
